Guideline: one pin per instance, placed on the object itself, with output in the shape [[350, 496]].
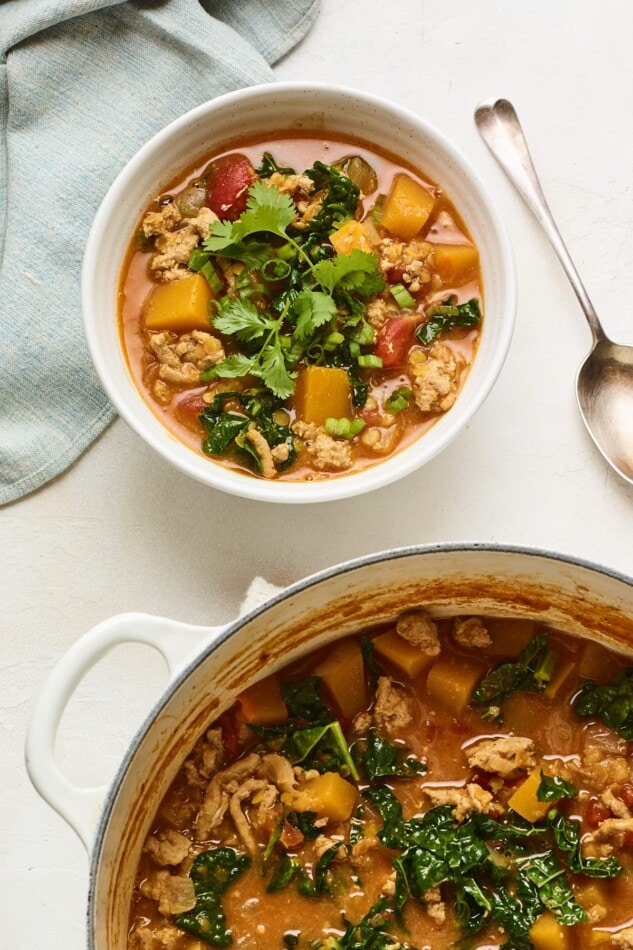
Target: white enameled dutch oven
[[210, 665]]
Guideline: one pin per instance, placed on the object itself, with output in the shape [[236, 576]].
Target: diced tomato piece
[[394, 274], [290, 836], [482, 778], [395, 339], [596, 813], [228, 182], [192, 405]]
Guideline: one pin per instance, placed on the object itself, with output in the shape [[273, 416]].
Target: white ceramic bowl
[[266, 109]]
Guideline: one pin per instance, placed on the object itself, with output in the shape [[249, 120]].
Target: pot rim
[[297, 587]]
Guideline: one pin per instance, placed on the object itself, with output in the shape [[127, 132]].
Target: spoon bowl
[[604, 382], [604, 387]]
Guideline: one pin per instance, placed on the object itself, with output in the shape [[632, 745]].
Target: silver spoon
[[604, 382]]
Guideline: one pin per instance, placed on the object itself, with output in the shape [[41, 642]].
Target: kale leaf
[[552, 788], [382, 759], [613, 703], [338, 206], [228, 429], [283, 874], [320, 884], [392, 833], [554, 892], [531, 671], [212, 873], [446, 316], [371, 932], [269, 166], [320, 746], [303, 700], [303, 821], [567, 835]]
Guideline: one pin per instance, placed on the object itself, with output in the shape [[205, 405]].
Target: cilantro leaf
[[240, 317], [266, 210], [312, 309], [356, 272], [273, 371]]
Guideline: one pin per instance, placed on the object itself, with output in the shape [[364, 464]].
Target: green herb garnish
[[446, 316]]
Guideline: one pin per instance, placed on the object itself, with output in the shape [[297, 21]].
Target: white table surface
[[123, 531]]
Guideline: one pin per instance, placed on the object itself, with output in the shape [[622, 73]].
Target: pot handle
[[178, 643]]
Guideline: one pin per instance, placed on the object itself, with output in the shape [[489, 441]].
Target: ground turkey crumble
[[181, 360], [435, 377], [464, 799], [174, 241], [624, 939], [471, 633], [504, 757], [326, 453], [417, 628], [392, 709]]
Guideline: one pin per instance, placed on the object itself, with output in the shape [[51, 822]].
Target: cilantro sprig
[[319, 297]]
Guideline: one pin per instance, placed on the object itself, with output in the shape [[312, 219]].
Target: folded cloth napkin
[[83, 83]]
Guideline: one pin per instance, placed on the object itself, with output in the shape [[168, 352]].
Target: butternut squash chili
[[435, 784], [301, 325]]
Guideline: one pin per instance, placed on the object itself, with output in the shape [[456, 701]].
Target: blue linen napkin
[[84, 83]]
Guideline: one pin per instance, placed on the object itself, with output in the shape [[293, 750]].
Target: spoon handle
[[501, 130]]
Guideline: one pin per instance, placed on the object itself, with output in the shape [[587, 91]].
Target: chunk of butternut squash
[[590, 893], [263, 703], [406, 208], [451, 683], [343, 673], [456, 263], [547, 934], [323, 392], [329, 795], [407, 658], [353, 236], [509, 635], [524, 801], [598, 663], [179, 305]]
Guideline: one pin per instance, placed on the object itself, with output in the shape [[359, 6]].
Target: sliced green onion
[[344, 428], [354, 349], [448, 308], [399, 399], [545, 670], [376, 213], [275, 269], [402, 296], [285, 252], [285, 342], [364, 335], [369, 361], [332, 341], [199, 261]]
